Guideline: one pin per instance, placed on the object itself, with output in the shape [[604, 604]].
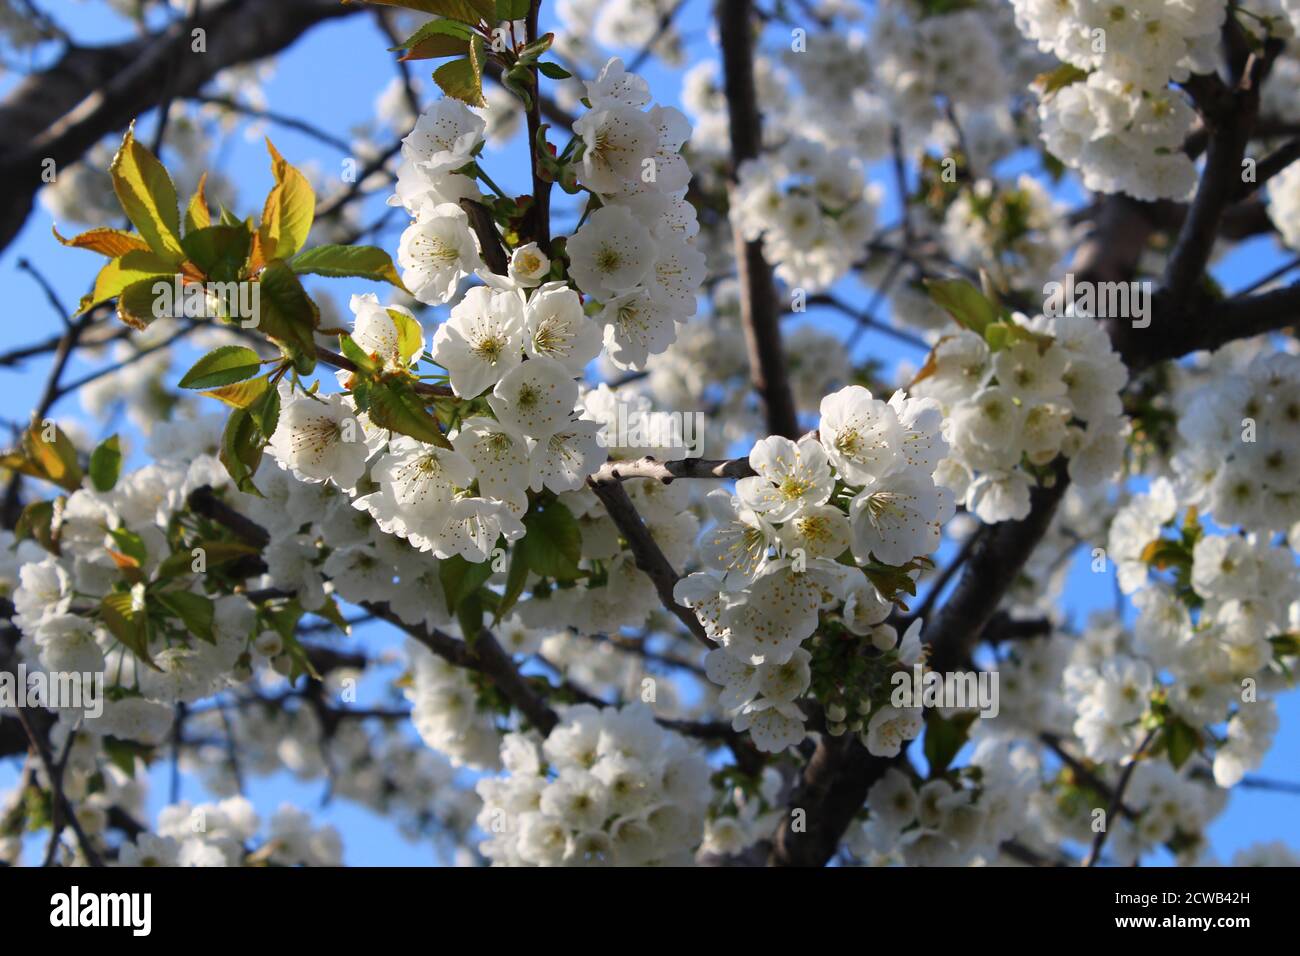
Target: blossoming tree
[[624, 639]]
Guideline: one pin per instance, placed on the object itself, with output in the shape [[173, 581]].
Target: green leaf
[[462, 79], [944, 738], [106, 464], [194, 610], [552, 542], [215, 553], [394, 405], [1181, 741], [963, 302], [134, 267], [469, 615], [437, 38], [554, 71], [355, 354], [222, 366], [288, 212], [220, 252], [127, 624], [265, 410], [461, 578], [287, 315], [1058, 79], [130, 544], [122, 753], [516, 578], [1285, 645], [148, 197], [241, 450], [361, 262], [285, 621], [512, 9]]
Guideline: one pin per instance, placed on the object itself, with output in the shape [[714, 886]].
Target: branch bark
[[759, 314], [649, 556], [61, 112]]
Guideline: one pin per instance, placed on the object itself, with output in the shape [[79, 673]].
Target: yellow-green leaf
[[965, 303], [54, 454], [196, 213], [288, 212], [224, 365], [148, 197], [360, 262], [410, 334], [462, 79], [136, 266], [128, 625], [240, 394], [107, 242]]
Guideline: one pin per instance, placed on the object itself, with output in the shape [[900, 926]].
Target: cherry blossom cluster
[[1017, 233], [1237, 454], [606, 787], [952, 820], [1122, 126], [374, 764], [1169, 808], [811, 207], [590, 25], [864, 485], [633, 258], [457, 500], [921, 57], [217, 834], [1054, 389], [59, 597], [445, 711], [1216, 625], [744, 817]]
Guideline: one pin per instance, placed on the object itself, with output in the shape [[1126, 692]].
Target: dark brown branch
[[649, 557], [489, 240], [1229, 114], [832, 790], [758, 311], [1117, 800], [996, 558]]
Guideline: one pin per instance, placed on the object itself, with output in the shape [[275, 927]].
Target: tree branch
[[758, 312], [649, 557]]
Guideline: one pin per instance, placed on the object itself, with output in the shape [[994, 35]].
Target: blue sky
[[331, 78]]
